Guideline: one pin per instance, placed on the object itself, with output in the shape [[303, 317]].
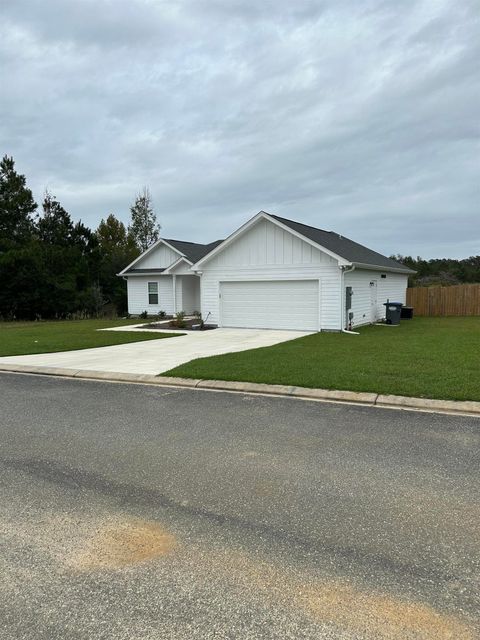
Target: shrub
[[143, 315], [161, 314], [180, 320], [91, 301]]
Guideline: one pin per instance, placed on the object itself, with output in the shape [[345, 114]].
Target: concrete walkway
[[157, 356]]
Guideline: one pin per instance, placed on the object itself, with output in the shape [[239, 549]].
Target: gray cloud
[[358, 117]]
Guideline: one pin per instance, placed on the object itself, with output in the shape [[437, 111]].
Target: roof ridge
[[183, 241], [302, 224], [339, 235], [200, 244]]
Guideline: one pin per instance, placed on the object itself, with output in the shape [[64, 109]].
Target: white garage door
[[280, 304]]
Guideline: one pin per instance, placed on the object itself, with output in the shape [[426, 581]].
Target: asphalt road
[[135, 512]]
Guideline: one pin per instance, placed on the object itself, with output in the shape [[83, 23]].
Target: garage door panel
[[280, 304]]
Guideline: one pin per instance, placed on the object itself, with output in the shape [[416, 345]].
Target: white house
[[271, 273]]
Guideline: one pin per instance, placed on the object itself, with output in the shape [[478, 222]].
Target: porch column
[[174, 280]]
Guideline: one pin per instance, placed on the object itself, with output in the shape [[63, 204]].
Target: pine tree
[[55, 227], [16, 207], [117, 249], [71, 258], [144, 227]]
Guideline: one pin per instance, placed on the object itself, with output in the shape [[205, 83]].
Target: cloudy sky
[[360, 116]]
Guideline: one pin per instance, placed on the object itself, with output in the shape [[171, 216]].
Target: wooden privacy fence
[[458, 300]]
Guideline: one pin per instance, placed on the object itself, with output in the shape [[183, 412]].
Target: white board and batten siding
[[267, 255], [370, 291], [160, 257]]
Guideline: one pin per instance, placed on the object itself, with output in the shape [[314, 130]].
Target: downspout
[[342, 300]]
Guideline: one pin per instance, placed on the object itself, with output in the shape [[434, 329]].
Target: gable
[[265, 243], [160, 257], [180, 267]]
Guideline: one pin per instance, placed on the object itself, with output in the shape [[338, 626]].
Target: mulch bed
[[170, 324]]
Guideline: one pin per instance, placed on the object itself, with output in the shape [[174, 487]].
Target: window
[[153, 293]]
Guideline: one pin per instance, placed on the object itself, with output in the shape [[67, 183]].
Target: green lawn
[[20, 338], [423, 357]]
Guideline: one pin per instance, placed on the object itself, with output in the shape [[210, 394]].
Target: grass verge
[[423, 357], [22, 338]]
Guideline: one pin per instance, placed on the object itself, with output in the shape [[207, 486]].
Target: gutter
[[376, 267]]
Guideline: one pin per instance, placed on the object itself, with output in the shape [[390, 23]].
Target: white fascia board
[[147, 251], [146, 273]]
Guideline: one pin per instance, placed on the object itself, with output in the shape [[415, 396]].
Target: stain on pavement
[[126, 543]]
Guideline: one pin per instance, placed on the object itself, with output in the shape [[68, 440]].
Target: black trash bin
[[393, 312]]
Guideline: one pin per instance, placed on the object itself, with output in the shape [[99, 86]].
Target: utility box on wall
[[348, 298], [348, 306]]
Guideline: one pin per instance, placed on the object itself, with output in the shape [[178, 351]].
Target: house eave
[[376, 267], [135, 274]]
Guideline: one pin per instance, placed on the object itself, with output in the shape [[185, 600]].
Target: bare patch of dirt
[[380, 615], [347, 607], [127, 543], [186, 325]]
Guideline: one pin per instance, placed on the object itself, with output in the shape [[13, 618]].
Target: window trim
[[152, 293]]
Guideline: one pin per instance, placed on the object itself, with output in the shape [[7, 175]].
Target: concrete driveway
[[153, 357]]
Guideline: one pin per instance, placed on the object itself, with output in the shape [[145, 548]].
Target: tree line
[[441, 271], [52, 267]]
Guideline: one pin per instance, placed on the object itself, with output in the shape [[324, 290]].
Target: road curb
[[325, 395], [108, 376], [429, 404]]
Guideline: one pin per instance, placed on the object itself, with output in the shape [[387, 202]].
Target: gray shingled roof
[[191, 250], [343, 247]]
